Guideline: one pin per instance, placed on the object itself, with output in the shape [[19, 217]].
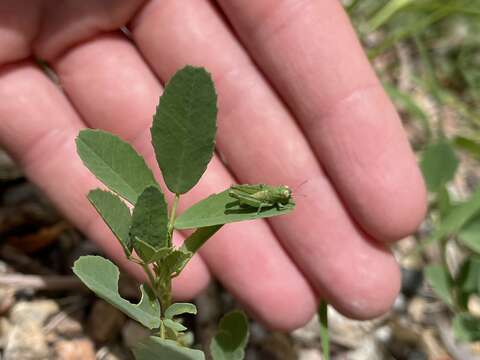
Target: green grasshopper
[[261, 195]]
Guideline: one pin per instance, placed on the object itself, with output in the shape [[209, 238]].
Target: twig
[[37, 282], [52, 283], [22, 262], [61, 316]]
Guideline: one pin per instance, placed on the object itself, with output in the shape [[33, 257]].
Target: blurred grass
[[441, 38], [427, 54]]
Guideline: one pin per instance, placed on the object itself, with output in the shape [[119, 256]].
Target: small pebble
[[418, 309], [37, 312], [78, 349], [368, 350], [412, 280], [7, 299], [309, 354], [350, 333], [400, 304], [384, 334], [5, 329], [308, 333], [27, 342], [69, 327], [474, 305]]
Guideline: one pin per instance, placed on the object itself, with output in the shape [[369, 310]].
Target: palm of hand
[[296, 103]]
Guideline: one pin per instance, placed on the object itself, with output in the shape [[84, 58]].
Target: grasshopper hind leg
[[259, 209], [247, 200]]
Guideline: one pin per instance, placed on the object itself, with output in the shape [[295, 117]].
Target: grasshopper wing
[[248, 189]]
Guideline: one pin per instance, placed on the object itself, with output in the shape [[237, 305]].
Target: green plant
[[183, 136], [426, 52], [459, 222], [324, 335]]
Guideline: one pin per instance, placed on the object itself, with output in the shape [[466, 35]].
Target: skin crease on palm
[[297, 101]]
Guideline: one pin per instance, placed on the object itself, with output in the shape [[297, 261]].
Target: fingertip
[[400, 209], [372, 294], [286, 310]]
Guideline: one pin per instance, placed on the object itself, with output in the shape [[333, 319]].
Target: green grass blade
[[386, 12], [324, 335]]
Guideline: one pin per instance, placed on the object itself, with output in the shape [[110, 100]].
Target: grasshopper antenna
[[297, 187]]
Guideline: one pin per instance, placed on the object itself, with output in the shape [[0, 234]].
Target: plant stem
[[149, 274], [171, 221], [162, 331], [151, 279], [323, 318]]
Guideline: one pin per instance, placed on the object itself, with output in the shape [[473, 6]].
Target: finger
[[38, 127], [310, 53], [18, 25], [260, 142], [110, 71], [70, 22]]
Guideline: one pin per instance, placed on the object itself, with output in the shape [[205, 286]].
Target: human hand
[[298, 102]]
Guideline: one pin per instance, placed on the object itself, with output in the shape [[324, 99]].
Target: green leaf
[[116, 215], [176, 261], [220, 209], [439, 164], [405, 100], [468, 277], [231, 338], [174, 325], [184, 127], [115, 163], [179, 309], [466, 327], [469, 145], [458, 216], [199, 237], [444, 202], [155, 348], [148, 253], [150, 219], [101, 276], [470, 235], [441, 282], [386, 12]]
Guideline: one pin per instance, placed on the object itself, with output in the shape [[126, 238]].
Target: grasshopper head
[[285, 193]]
